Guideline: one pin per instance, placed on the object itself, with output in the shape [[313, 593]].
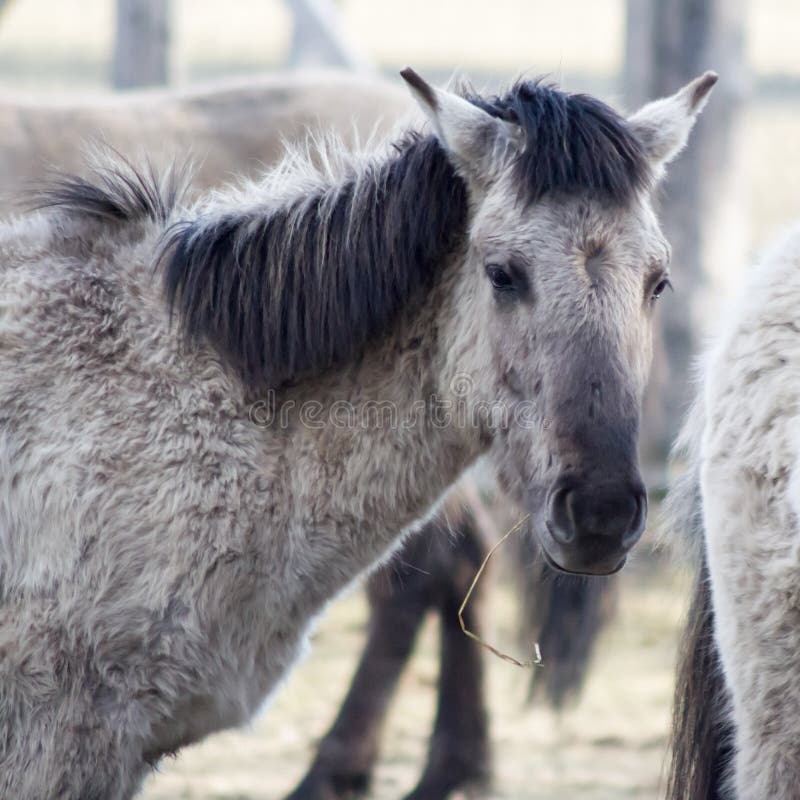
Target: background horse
[[233, 128], [737, 706], [433, 572], [179, 501]]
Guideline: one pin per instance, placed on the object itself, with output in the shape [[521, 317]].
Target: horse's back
[[229, 129]]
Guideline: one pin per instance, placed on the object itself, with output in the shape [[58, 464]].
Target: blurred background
[[227, 79]]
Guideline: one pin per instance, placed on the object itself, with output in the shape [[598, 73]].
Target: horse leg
[[346, 755], [459, 751]]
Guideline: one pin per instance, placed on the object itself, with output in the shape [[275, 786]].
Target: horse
[[737, 705], [433, 572], [229, 127], [215, 415], [238, 127]]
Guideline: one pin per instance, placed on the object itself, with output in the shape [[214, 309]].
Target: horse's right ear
[[663, 126], [479, 144]]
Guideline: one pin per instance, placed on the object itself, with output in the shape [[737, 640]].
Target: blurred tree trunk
[[669, 42], [318, 39], [142, 43]]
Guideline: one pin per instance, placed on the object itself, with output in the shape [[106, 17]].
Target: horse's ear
[[663, 126], [479, 144]]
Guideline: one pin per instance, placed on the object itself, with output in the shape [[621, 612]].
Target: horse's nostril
[[563, 526], [638, 521]]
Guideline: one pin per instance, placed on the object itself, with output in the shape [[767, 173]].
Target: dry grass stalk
[[536, 661]]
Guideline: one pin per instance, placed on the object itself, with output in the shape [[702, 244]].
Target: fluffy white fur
[[747, 453]]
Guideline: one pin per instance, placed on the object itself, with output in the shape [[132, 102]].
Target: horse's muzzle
[[591, 525]]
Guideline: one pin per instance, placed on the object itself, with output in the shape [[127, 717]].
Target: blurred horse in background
[[229, 129]]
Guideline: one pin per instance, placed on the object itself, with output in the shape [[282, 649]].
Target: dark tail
[[702, 734], [565, 615]]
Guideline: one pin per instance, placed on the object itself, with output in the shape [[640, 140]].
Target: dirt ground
[[610, 746]]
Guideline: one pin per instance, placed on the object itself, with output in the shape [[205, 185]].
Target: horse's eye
[[661, 287], [500, 279]]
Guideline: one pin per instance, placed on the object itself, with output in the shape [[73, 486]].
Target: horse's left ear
[[663, 126], [478, 144]]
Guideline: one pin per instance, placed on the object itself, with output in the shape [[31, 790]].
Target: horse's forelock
[[573, 142]]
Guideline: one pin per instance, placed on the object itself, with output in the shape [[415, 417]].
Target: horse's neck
[[359, 301], [378, 435]]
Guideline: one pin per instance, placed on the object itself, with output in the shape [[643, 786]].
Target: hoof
[[456, 785], [318, 786]]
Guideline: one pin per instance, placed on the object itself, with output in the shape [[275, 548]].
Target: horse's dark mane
[[284, 290], [306, 286]]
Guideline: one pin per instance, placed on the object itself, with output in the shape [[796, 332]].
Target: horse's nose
[[594, 524]]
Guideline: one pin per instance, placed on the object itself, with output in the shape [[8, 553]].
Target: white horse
[[737, 712], [213, 417]]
